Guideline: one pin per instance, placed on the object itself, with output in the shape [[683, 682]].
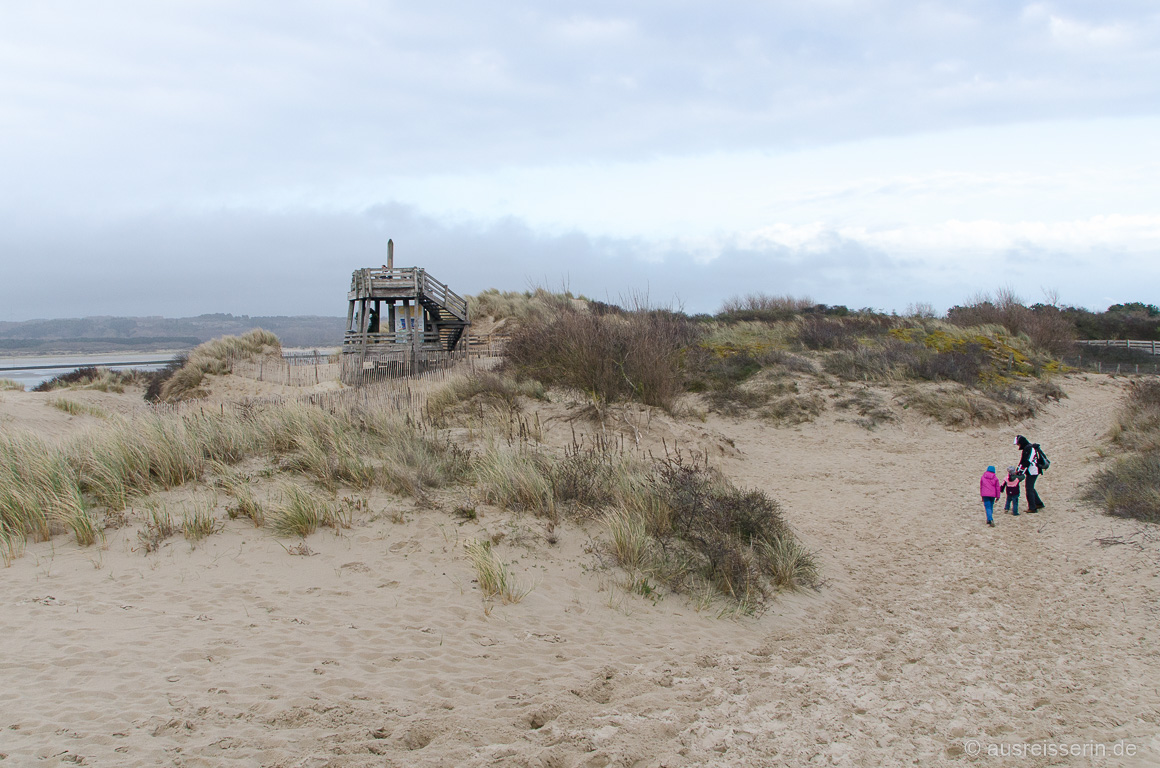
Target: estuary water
[[36, 369]]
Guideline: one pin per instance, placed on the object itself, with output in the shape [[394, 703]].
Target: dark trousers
[[1033, 500], [1012, 503]]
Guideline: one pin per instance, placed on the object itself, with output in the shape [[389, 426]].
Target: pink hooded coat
[[989, 485]]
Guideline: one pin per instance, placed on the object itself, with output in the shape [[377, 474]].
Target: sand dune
[[376, 649]]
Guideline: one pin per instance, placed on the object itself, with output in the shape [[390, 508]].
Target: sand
[[932, 635]]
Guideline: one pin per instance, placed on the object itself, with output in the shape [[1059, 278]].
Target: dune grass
[[302, 512], [8, 385], [494, 577], [74, 408], [89, 377], [487, 393], [198, 523], [158, 527], [214, 358], [1130, 485], [44, 489]]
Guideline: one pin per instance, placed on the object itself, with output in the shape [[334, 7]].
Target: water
[[141, 361]]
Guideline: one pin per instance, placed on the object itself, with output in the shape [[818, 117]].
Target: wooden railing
[[364, 281], [1151, 347], [412, 280], [443, 295], [389, 337]]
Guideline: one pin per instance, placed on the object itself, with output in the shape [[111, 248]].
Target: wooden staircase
[[445, 311]]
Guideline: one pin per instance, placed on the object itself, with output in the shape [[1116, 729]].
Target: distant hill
[[148, 334]]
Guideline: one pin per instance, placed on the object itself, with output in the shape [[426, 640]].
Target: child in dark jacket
[[1011, 488], [989, 490]]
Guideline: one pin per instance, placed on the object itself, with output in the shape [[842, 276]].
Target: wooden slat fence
[[1151, 347]]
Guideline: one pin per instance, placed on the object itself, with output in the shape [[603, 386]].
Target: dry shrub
[[1045, 325], [764, 307], [1130, 487], [724, 534], [89, 377], [630, 356]]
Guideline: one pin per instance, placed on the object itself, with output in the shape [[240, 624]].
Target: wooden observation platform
[[400, 321]]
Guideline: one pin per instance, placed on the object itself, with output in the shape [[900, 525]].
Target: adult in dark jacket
[[1029, 466]]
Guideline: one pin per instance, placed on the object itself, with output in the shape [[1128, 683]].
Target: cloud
[[300, 261]]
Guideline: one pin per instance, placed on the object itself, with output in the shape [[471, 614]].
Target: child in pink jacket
[[989, 490]]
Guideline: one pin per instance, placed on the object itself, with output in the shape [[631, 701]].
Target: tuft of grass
[[302, 512], [494, 577], [789, 564], [794, 409], [83, 525], [536, 306], [8, 385], [630, 539], [159, 527], [199, 523], [517, 480], [245, 503], [74, 408]]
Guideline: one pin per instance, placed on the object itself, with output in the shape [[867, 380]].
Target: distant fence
[[397, 395], [291, 371], [307, 369], [1151, 347]]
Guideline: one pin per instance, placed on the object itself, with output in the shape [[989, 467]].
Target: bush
[[727, 534], [89, 377], [1129, 488], [633, 356]]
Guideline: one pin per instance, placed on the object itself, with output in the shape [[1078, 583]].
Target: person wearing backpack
[[1032, 462]]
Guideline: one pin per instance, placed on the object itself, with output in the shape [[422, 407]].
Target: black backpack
[[1041, 460]]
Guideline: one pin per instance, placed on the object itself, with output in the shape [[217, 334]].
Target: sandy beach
[[933, 641]]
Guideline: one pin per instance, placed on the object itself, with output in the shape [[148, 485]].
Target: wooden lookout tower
[[399, 321]]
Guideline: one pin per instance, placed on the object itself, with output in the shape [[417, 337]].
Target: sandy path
[[933, 629]]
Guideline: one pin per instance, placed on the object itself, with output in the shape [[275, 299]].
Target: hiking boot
[[991, 523], [1015, 513]]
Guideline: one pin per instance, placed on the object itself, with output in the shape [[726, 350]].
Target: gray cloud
[[143, 152], [299, 262], [181, 101]]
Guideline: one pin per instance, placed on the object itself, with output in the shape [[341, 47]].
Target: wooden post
[[390, 254]]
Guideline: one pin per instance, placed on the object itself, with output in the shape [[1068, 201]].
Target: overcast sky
[[177, 157]]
